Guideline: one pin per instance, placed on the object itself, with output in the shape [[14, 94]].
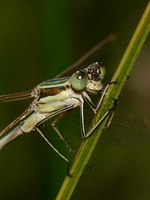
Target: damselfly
[[57, 97], [61, 95]]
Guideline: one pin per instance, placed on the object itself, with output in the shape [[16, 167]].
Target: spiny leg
[[112, 109], [50, 144], [103, 94], [109, 112], [116, 102], [58, 132], [56, 150], [84, 134]]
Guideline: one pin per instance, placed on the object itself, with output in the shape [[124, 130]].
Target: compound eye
[[79, 80]]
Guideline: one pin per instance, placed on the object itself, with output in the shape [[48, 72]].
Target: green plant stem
[[114, 91]]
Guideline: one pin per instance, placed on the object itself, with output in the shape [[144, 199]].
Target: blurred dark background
[[38, 40]]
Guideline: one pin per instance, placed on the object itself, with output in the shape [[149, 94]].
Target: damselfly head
[[95, 74], [90, 78]]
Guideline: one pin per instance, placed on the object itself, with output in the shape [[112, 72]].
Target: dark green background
[[39, 39]]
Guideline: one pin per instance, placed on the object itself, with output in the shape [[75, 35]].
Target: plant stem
[[114, 91]]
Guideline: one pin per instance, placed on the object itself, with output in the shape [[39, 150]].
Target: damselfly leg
[[95, 109], [54, 125]]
